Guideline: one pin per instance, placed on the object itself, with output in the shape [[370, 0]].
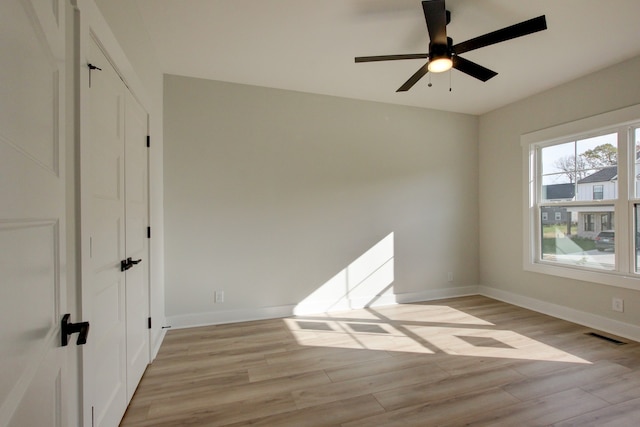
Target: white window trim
[[624, 117]]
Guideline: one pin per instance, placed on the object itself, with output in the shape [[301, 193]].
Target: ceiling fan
[[444, 55]]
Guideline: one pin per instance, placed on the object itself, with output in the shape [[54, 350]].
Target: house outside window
[[598, 158]]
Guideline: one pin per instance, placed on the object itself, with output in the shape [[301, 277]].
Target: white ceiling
[[309, 46]]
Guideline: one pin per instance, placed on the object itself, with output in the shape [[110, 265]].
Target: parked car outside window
[[605, 240]]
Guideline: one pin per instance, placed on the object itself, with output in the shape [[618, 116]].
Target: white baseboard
[[590, 320], [230, 316], [246, 315], [604, 324], [436, 294]]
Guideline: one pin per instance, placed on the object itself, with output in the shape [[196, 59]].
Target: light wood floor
[[463, 361]]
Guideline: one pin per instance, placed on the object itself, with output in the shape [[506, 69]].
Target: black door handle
[[67, 328], [126, 264]]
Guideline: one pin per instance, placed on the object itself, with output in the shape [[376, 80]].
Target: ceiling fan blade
[[522, 29], [435, 14], [392, 57], [414, 79], [473, 69]]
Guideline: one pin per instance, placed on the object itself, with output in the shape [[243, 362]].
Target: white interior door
[[103, 284], [136, 242], [33, 284], [115, 218]]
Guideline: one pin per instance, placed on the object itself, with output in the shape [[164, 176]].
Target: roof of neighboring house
[[560, 191], [603, 175]]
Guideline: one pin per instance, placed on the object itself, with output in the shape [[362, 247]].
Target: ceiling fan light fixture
[[439, 65]]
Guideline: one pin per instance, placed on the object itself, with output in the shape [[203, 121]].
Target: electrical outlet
[[450, 276], [218, 297], [617, 304]]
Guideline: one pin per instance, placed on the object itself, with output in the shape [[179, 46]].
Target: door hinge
[[149, 319], [91, 68], [148, 141], [148, 232]]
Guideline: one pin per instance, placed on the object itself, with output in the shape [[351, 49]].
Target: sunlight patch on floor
[[454, 333]]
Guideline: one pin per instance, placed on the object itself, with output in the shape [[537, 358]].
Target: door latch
[[126, 264], [67, 328]]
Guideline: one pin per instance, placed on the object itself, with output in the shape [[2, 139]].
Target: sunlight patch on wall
[[366, 282]]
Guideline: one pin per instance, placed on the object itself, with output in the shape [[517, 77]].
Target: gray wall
[[501, 188], [269, 194]]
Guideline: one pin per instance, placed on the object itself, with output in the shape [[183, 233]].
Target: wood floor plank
[[328, 414], [436, 413], [445, 388], [542, 411], [621, 415], [221, 414], [617, 388], [571, 377], [309, 362], [459, 361], [200, 400], [361, 369], [367, 385]]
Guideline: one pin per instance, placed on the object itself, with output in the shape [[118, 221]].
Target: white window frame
[[622, 121]]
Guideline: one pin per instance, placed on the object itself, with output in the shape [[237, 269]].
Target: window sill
[[608, 278]]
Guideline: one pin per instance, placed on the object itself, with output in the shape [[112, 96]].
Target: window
[[588, 222], [598, 192], [588, 174]]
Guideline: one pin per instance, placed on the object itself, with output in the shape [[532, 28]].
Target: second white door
[[114, 227]]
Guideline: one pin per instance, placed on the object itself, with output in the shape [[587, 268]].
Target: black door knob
[[67, 328], [126, 264]]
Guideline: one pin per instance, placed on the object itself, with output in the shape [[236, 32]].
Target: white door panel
[[103, 285], [137, 298], [114, 172], [33, 286]]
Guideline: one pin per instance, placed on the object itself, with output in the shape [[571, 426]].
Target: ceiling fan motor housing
[[439, 50]]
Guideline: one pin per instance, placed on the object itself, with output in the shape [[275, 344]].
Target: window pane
[[590, 164], [558, 158], [557, 187], [598, 173], [583, 236]]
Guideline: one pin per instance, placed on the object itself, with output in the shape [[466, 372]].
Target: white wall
[[501, 199], [271, 195], [125, 21]]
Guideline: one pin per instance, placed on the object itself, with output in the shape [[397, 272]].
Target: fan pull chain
[[429, 81], [450, 73]]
